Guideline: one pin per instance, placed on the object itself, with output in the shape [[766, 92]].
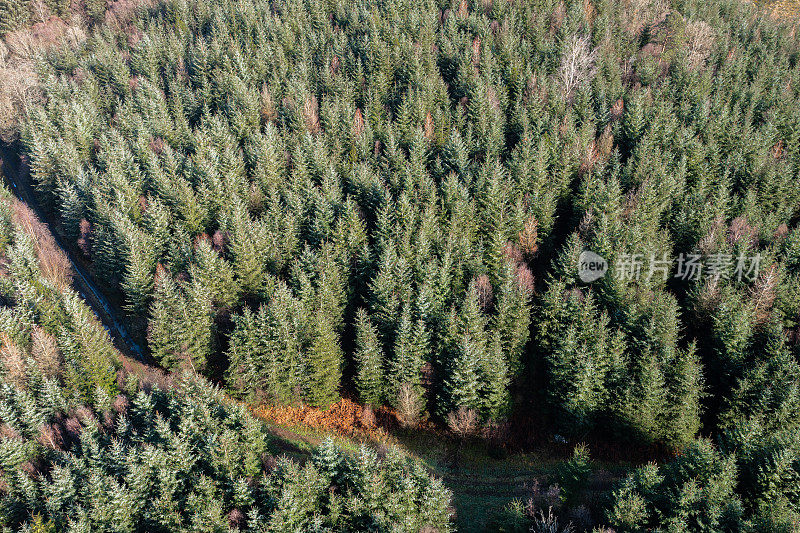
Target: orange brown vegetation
[[311, 115], [345, 417]]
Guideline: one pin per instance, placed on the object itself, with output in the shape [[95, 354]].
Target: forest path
[[18, 181]]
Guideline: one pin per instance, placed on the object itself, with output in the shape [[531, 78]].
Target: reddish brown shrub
[[617, 109], [268, 111], [781, 232], [529, 237], [85, 415], [368, 416], [605, 143], [428, 127], [476, 51], [85, 237], [8, 432], [236, 519], [122, 13], [73, 427], [498, 434], [344, 417], [311, 115], [50, 436], [220, 240], [525, 280], [557, 16], [156, 145], [463, 9], [335, 64], [121, 404], [513, 253], [740, 230], [358, 123], [30, 468], [763, 294]]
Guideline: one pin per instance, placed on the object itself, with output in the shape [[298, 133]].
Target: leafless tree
[[463, 422], [45, 352], [577, 65], [409, 406]]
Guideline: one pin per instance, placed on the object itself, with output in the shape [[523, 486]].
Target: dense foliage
[[83, 449], [43, 323], [327, 190], [392, 198], [750, 484], [188, 460]]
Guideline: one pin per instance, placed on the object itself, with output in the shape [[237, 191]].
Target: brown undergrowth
[[345, 418]]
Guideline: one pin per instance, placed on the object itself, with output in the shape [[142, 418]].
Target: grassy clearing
[[484, 480]]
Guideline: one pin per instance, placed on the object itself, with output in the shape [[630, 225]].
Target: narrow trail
[[19, 184]]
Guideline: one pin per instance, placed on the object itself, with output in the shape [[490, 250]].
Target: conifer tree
[[181, 324], [511, 321], [369, 358], [324, 361], [411, 351], [163, 332], [463, 385], [495, 380], [214, 275]]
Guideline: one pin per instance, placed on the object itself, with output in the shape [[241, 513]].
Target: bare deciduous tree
[[45, 352], [409, 406], [577, 64], [463, 422], [13, 362], [700, 39]]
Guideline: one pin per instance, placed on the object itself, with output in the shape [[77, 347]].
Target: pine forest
[[400, 266]]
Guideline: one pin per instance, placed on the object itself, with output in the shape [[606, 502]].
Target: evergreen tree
[[214, 275], [324, 361], [181, 324], [369, 358], [165, 311]]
